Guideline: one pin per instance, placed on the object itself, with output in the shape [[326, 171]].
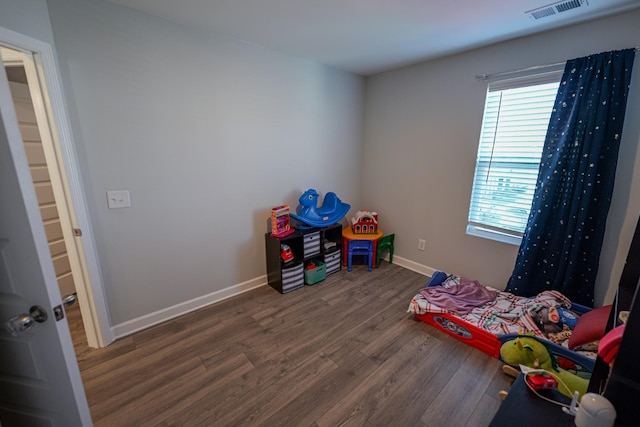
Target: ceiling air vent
[[568, 5], [556, 8], [543, 13]]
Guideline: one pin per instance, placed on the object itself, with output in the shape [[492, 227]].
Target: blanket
[[505, 314], [460, 299]]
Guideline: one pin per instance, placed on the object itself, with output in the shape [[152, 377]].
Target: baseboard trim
[[414, 266], [143, 322], [131, 326]]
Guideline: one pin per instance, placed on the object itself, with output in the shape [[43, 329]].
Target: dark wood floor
[[342, 352]]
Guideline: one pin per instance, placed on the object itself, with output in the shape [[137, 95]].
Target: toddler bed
[[485, 318]]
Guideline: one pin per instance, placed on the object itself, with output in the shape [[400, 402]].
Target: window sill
[[498, 236]]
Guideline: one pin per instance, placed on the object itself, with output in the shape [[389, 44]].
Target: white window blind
[[514, 126]]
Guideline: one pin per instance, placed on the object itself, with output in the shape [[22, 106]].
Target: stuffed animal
[[561, 336], [529, 351], [553, 320], [546, 321]]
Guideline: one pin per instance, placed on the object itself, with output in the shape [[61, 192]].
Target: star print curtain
[[560, 249]]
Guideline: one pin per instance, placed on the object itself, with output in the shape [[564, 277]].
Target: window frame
[[503, 82]]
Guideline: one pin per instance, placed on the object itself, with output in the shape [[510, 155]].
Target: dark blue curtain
[[560, 249]]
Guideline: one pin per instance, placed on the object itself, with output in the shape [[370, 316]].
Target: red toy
[[365, 222], [610, 343], [285, 253], [540, 382]]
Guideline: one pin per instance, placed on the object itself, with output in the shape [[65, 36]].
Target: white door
[[40, 382]]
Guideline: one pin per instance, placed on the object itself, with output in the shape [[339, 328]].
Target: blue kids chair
[[360, 247]]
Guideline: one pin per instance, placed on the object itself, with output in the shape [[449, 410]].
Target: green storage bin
[[317, 274]]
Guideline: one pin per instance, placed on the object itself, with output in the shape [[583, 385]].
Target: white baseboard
[[131, 326], [414, 266]]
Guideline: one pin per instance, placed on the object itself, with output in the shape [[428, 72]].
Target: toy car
[[285, 253], [539, 382]]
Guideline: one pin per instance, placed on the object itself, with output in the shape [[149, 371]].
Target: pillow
[[437, 279], [590, 327]]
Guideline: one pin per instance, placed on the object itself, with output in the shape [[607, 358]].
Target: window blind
[[514, 126]]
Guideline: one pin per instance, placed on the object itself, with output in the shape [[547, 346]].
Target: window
[[514, 126]]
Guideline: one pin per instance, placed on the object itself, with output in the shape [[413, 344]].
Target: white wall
[[422, 123], [27, 17], [207, 133]]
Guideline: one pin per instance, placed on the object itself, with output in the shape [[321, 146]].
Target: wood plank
[[254, 398], [364, 400], [484, 411], [342, 352], [423, 386], [39, 173], [467, 385], [44, 193], [315, 401], [171, 347]]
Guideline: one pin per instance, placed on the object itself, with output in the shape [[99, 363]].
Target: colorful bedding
[[505, 314]]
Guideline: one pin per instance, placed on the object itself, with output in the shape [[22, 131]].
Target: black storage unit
[[309, 243]]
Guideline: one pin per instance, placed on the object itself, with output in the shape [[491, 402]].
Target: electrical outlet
[[118, 199], [421, 244]]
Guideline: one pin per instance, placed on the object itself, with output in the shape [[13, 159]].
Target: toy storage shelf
[[305, 244]]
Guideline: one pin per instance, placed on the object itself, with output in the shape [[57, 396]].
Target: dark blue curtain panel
[[560, 249]]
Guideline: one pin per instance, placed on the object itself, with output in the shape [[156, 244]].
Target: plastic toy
[[285, 253], [331, 211], [365, 222], [540, 382], [280, 224], [315, 272], [528, 351], [610, 343]]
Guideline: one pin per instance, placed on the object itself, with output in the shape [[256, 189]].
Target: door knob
[[69, 299], [23, 322]]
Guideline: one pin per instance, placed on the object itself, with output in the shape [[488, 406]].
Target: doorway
[[76, 268]]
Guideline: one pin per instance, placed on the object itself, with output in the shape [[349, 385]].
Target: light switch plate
[[118, 199]]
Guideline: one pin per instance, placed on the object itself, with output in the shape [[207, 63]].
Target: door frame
[[61, 151]]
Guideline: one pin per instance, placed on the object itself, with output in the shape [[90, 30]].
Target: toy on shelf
[[285, 253], [280, 222], [365, 222], [331, 211]]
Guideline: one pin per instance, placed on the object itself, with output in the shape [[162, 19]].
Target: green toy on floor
[[530, 352]]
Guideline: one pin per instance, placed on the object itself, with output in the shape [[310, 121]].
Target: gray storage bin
[[333, 261], [292, 278], [311, 245]]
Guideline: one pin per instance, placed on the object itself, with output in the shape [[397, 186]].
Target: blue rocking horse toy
[[331, 211]]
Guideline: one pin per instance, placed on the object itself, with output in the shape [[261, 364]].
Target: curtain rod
[[535, 67]]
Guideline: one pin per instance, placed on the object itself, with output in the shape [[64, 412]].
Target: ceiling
[[369, 36]]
